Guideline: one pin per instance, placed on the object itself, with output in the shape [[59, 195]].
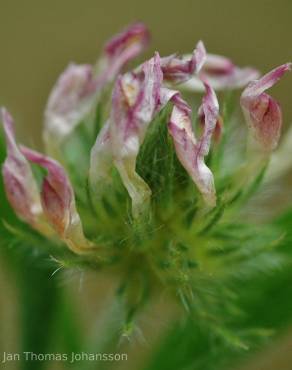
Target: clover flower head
[[144, 170]]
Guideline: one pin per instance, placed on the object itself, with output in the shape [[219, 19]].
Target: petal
[[222, 74], [122, 48], [72, 98], [20, 185], [134, 105], [256, 88], [179, 70], [262, 113], [210, 110], [218, 65], [190, 151], [58, 202]]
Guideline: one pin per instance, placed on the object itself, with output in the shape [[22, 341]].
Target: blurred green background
[[39, 38]]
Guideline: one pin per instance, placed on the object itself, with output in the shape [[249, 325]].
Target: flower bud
[[58, 202], [262, 113]]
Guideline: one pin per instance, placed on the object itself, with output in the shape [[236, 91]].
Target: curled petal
[[20, 185], [190, 151], [255, 88], [58, 202], [237, 79], [134, 105], [218, 65], [71, 99], [217, 133], [210, 110], [179, 70], [222, 74], [262, 113], [136, 99], [122, 48]]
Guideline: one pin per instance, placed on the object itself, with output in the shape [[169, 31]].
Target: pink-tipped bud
[[58, 202], [263, 113]]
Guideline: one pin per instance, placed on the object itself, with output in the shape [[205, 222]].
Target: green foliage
[[223, 269], [265, 300]]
